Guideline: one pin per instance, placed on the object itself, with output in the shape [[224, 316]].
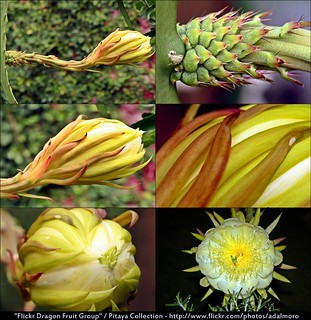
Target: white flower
[[237, 257]]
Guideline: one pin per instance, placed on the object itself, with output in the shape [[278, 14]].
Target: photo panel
[[228, 52], [196, 254], [233, 156], [78, 52], [65, 258], [77, 155]]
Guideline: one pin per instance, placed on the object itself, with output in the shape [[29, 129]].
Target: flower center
[[110, 257], [238, 257], [235, 255]]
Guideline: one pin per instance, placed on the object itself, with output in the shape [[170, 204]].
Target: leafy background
[[26, 128], [71, 30]]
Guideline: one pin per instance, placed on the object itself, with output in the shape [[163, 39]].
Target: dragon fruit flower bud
[[121, 47], [228, 50], [91, 151], [75, 260], [118, 48]]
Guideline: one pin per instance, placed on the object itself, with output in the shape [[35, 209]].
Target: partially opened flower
[[91, 151], [76, 260], [256, 155], [237, 257]]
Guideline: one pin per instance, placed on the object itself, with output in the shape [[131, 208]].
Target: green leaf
[[139, 5], [149, 138], [147, 123]]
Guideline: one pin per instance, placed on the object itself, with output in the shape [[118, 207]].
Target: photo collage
[[155, 159]]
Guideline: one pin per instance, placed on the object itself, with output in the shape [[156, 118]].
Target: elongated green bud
[[233, 48]]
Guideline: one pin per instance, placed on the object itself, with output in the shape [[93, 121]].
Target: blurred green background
[[26, 128], [71, 30]]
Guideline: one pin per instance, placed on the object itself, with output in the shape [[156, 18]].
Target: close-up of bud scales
[[228, 50]]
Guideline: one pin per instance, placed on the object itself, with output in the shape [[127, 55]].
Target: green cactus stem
[[227, 50], [5, 84], [170, 47], [125, 14]]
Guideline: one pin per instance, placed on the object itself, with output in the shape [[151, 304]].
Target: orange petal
[[213, 168], [175, 179], [186, 130], [128, 217]]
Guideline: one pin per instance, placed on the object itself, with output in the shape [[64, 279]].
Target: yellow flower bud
[[120, 47], [93, 151], [74, 260]]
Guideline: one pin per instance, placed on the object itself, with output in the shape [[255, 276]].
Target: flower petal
[[213, 167]]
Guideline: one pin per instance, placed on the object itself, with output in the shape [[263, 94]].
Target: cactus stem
[[5, 84]]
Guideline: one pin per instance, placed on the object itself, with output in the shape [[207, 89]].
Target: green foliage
[[71, 30], [26, 128], [253, 303], [184, 304], [148, 9], [147, 124]]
